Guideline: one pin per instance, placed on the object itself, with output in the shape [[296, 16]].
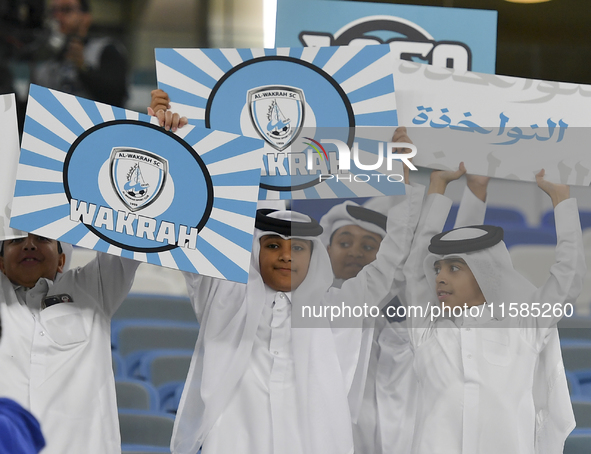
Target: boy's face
[[352, 247], [284, 263], [455, 284], [26, 260]]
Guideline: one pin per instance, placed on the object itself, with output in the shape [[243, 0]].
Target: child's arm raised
[[566, 275], [557, 192], [158, 108], [473, 204], [441, 178], [432, 220]]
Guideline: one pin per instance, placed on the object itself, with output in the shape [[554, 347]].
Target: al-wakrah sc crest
[[277, 113], [138, 176]]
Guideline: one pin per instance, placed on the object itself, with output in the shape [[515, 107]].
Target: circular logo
[[381, 30], [137, 186], [285, 101]]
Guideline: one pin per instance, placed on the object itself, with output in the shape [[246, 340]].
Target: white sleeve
[[418, 291], [471, 210], [109, 277], [565, 282], [201, 289], [368, 289]]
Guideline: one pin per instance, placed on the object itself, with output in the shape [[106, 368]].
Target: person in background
[[85, 66]]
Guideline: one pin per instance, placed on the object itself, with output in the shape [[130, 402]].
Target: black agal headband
[[491, 235], [367, 215], [267, 223]]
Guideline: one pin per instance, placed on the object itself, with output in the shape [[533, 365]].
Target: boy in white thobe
[[257, 385], [387, 416], [491, 381], [56, 342]]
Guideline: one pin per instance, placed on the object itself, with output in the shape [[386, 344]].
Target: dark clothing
[[103, 79]]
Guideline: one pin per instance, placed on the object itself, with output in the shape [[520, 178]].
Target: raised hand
[[441, 178], [557, 192], [159, 106]]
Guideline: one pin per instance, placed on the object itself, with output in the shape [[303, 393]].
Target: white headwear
[[483, 250], [350, 213], [225, 344], [487, 256]]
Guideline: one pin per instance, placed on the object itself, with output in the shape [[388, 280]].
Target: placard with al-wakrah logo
[[112, 180], [299, 101]]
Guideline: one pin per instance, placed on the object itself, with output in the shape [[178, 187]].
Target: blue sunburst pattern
[[345, 88], [66, 166]]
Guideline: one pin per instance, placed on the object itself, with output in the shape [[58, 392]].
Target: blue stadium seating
[[131, 335], [525, 235], [145, 429], [547, 219], [136, 394]]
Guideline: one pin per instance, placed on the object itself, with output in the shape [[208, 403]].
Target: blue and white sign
[[449, 37], [299, 101], [112, 180], [500, 126]]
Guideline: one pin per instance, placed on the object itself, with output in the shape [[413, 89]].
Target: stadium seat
[[145, 428], [547, 219], [136, 394], [158, 307], [118, 365], [132, 335], [574, 328], [170, 396], [135, 449], [520, 235], [578, 442], [502, 217], [576, 355], [574, 385], [582, 410], [451, 218], [164, 365]]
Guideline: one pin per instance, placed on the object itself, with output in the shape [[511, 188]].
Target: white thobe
[[262, 413], [56, 362], [315, 385], [477, 375], [387, 416]]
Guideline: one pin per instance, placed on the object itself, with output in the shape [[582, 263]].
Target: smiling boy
[[25, 260], [352, 236], [257, 385], [284, 262], [56, 347]]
